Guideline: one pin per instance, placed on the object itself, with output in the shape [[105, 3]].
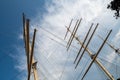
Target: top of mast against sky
[[29, 48]]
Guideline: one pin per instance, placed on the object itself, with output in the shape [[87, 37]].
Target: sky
[[11, 28], [51, 16]]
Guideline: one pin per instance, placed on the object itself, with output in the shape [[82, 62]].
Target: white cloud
[[20, 59]]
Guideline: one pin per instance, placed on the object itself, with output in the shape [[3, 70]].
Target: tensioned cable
[[115, 65], [82, 70], [64, 67], [44, 55], [52, 33], [48, 60], [43, 47], [64, 46], [108, 61], [102, 74], [56, 36], [67, 56], [42, 74], [60, 43], [47, 72]]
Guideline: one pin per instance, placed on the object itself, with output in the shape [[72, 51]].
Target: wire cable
[[60, 43], [64, 67], [56, 36], [108, 61], [82, 70]]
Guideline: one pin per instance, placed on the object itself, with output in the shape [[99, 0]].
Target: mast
[[91, 55], [95, 56], [29, 48]]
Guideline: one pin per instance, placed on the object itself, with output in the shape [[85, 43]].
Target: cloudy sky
[[50, 17]]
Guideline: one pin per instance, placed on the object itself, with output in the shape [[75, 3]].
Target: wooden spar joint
[[68, 29], [73, 33], [83, 43], [86, 46], [94, 58], [77, 38], [34, 65], [117, 51]]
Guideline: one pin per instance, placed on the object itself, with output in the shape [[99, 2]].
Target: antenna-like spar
[[86, 46], [83, 43], [92, 56], [68, 29], [95, 56], [117, 50], [73, 33]]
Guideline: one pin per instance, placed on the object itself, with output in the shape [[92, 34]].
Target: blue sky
[[53, 16], [11, 27]]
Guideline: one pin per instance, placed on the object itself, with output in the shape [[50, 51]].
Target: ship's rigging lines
[[117, 50], [86, 45], [64, 45], [94, 57], [91, 55], [29, 49], [56, 40]]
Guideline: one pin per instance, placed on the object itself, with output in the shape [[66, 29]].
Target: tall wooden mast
[[29, 48]]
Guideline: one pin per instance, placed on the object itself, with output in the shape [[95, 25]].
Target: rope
[[101, 72], [108, 61], [64, 66], [57, 37], [82, 70], [45, 51], [63, 46], [60, 43], [47, 70]]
